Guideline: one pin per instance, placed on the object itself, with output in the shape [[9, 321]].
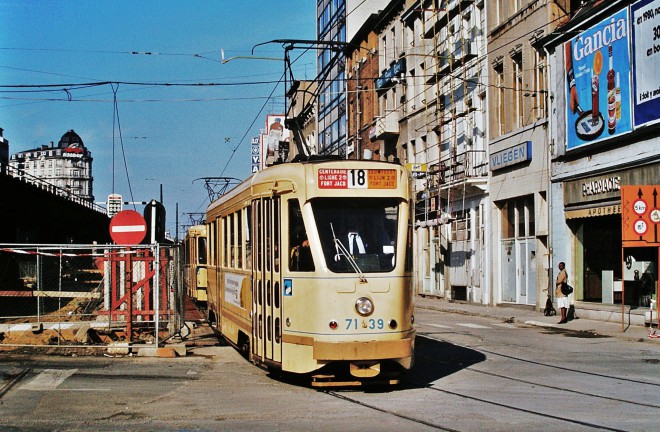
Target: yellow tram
[[310, 270], [194, 249]]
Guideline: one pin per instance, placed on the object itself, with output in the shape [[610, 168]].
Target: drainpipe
[[550, 142]]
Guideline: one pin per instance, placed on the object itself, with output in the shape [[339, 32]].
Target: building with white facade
[[67, 166], [441, 48], [519, 160]]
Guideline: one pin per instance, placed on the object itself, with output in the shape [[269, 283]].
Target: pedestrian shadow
[[435, 360]]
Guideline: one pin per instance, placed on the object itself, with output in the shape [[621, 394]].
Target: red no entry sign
[[128, 227]]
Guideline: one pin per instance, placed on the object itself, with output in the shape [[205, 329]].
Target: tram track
[[355, 401], [551, 387], [441, 427], [431, 336], [15, 377], [544, 415]]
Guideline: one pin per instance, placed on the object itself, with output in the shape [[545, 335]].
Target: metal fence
[[89, 295]]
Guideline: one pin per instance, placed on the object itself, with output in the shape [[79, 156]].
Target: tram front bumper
[[371, 350]]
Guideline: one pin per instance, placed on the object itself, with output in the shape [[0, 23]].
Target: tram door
[[266, 277]]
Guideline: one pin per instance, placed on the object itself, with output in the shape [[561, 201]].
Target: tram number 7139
[[371, 324]]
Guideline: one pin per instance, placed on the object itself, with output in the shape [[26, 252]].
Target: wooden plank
[[67, 294], [16, 293]]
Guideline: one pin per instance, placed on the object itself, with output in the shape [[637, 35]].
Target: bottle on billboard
[[595, 108], [611, 95], [617, 96]]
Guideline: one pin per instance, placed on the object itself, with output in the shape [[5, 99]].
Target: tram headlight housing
[[364, 306]]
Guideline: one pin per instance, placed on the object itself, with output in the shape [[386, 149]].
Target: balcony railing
[[467, 165], [21, 175]]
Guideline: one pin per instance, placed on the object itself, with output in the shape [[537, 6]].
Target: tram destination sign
[[342, 178]]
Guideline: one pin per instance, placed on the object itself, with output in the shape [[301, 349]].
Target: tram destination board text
[[340, 178]]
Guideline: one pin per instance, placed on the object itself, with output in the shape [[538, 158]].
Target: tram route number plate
[[341, 178]]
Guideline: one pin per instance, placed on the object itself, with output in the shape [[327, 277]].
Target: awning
[[607, 209]]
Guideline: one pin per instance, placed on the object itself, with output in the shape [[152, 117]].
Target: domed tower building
[[67, 166]]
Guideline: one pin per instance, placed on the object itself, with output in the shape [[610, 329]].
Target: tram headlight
[[364, 306]]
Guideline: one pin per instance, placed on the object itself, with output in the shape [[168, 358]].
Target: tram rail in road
[[10, 379]]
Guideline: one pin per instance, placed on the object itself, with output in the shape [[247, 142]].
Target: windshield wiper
[[342, 251]]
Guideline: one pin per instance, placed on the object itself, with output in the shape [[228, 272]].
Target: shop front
[[592, 210]]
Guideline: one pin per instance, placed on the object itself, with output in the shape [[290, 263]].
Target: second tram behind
[[194, 247], [309, 270]]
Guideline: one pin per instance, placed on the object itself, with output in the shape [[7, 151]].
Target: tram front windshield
[[357, 232]]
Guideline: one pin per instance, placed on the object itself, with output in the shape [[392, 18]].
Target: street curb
[[593, 330]]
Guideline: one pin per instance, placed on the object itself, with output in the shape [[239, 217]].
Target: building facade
[[516, 163], [519, 160], [443, 136], [67, 166], [4, 152], [607, 136], [331, 67], [363, 66]]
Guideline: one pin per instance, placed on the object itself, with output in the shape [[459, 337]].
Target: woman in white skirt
[[563, 302]]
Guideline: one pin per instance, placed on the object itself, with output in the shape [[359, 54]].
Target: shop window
[[517, 218], [508, 220]]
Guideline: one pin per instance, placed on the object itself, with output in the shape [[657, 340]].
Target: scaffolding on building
[[453, 94]]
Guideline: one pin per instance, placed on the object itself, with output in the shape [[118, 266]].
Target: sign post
[[128, 227], [640, 227]]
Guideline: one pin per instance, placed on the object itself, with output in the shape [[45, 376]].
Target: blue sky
[[171, 135]]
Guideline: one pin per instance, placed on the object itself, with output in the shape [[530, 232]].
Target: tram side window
[[232, 241], [258, 230], [201, 250], [224, 242], [268, 237], [300, 256], [239, 245], [213, 252], [276, 233], [246, 229]]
